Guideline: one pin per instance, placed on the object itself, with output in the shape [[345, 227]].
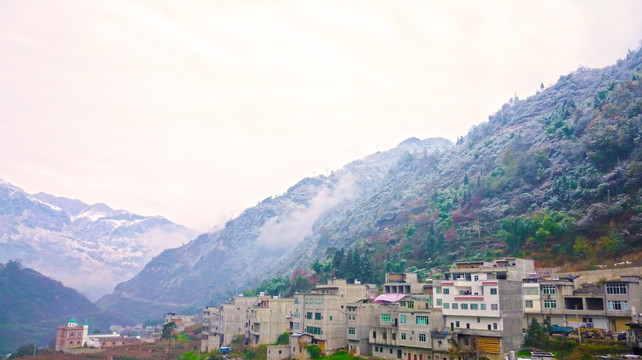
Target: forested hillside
[[32, 306], [555, 177]]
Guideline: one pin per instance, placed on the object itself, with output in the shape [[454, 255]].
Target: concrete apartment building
[[604, 299], [408, 328], [270, 318], [361, 316], [321, 312], [222, 323], [399, 324], [482, 305]]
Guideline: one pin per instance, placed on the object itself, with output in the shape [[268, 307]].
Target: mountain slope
[[33, 305], [217, 264], [556, 177], [95, 246]]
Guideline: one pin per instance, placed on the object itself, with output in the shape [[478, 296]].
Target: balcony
[[382, 336], [478, 332]]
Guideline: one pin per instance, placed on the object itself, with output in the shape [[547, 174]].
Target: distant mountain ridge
[[88, 247], [556, 177]]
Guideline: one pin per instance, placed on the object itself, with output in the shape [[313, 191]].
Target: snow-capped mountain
[[88, 247]]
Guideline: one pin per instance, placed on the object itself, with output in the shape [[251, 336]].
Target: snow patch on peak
[[53, 207]]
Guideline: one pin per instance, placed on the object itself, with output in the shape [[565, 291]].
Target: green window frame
[[422, 320]]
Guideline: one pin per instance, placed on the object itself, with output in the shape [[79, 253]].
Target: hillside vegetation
[[32, 306], [555, 177]]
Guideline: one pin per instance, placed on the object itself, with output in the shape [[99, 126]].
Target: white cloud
[[283, 232]]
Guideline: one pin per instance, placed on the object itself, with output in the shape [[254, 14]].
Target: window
[[474, 306], [494, 326], [438, 302], [531, 291], [384, 335], [296, 313], [296, 300], [446, 306], [494, 307], [308, 315], [410, 305], [296, 326], [317, 316], [550, 304], [71, 334], [476, 277], [422, 320], [455, 306], [422, 337], [385, 318], [403, 336], [587, 319], [493, 291], [478, 320], [330, 317], [438, 290], [446, 291], [313, 330], [374, 334], [464, 306], [616, 289], [528, 304], [618, 305], [548, 289], [456, 323], [351, 331], [402, 319], [483, 306]]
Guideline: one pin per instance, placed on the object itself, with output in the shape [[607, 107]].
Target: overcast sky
[[196, 110]]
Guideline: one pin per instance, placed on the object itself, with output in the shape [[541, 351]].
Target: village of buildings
[[475, 309]]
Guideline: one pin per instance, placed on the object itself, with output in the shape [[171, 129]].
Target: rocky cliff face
[[89, 247]]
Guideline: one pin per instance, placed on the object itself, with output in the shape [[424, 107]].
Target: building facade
[[482, 306], [269, 318], [72, 335], [321, 312]]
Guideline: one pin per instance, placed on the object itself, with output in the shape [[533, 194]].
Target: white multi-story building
[[482, 305]]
